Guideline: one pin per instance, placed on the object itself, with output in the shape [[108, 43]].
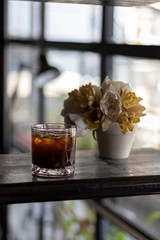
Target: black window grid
[[104, 48]]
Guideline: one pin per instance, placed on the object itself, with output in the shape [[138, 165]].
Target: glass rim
[[52, 126]]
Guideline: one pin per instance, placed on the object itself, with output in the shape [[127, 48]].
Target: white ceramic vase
[[113, 144]]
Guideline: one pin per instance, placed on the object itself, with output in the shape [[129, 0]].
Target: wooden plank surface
[[93, 178]]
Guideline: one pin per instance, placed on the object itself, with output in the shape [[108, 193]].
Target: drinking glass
[[53, 149]]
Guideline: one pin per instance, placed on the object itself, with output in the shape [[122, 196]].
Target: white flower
[[110, 105], [91, 107], [115, 86], [81, 125], [105, 124], [98, 93], [72, 115]]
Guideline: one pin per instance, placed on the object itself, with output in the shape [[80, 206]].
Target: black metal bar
[[41, 221], [4, 100], [143, 51], [3, 222], [108, 36], [4, 127], [106, 69], [103, 37], [99, 225], [111, 212], [42, 25], [41, 109], [41, 98], [2, 76], [41, 106], [107, 31]]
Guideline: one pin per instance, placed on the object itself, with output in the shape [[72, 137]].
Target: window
[[75, 23], [85, 43], [76, 65], [137, 25], [142, 74], [26, 13]]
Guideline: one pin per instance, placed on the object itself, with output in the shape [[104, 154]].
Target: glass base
[[47, 172]]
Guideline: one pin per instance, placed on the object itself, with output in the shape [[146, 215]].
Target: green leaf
[[153, 217]]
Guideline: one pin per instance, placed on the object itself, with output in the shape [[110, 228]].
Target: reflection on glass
[[72, 22], [143, 76], [137, 25]]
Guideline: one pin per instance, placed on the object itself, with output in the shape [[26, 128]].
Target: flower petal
[[116, 86], [98, 93], [69, 107], [110, 105], [105, 124], [82, 127]]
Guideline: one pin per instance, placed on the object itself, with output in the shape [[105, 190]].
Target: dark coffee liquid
[[52, 152]]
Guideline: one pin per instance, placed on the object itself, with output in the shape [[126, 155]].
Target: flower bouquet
[[97, 108]]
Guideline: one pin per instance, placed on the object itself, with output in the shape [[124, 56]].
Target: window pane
[[77, 68], [137, 25], [61, 221], [110, 231], [142, 211], [84, 68], [143, 76], [22, 93], [81, 23], [23, 19]]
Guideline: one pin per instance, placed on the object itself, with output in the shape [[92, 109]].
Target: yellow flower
[[130, 102], [94, 117], [84, 97], [132, 110], [126, 121], [90, 106]]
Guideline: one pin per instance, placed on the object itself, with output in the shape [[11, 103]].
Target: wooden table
[[94, 178]]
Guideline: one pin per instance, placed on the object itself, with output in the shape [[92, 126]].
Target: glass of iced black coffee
[[53, 149]]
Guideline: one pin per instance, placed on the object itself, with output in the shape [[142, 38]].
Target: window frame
[[104, 48]]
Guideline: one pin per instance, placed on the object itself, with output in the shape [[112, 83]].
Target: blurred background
[[85, 43]]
